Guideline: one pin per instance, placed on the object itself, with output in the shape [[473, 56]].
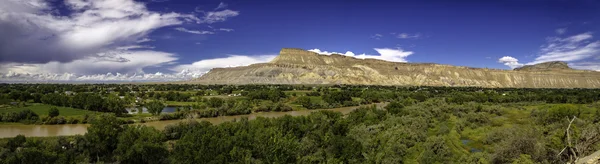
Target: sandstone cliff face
[[296, 66]]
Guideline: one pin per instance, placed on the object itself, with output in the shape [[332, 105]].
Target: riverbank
[[11, 130]]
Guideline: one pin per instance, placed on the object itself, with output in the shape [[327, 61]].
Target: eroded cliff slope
[[297, 66]]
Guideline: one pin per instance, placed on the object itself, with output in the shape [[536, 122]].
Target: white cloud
[[131, 47], [144, 40], [193, 31], [219, 16], [98, 36], [226, 29], [92, 27], [394, 55], [560, 31], [316, 50], [113, 61], [221, 6], [579, 51], [128, 66], [108, 77], [377, 36], [569, 49], [229, 61], [407, 35], [510, 62], [23, 5], [594, 66]]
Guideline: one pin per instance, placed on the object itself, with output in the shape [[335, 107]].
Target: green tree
[[141, 144], [35, 155], [396, 107], [16, 142], [115, 105], [200, 93], [241, 107], [215, 102], [436, 151], [337, 97], [102, 137], [155, 107], [94, 102], [305, 101], [53, 112]]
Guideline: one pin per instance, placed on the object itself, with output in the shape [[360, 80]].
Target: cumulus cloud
[[128, 67], [394, 55], [114, 61], [193, 31], [12, 77], [510, 62], [203, 66], [30, 33], [96, 37]]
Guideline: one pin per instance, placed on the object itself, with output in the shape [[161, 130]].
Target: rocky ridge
[[547, 66], [297, 66]]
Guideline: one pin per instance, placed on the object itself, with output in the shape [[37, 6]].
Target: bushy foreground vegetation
[[405, 131]]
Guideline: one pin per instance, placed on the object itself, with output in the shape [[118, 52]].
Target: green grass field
[[316, 99], [42, 110]]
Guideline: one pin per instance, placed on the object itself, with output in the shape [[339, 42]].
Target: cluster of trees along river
[[301, 124]]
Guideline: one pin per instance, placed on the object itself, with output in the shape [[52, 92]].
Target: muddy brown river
[[74, 129]]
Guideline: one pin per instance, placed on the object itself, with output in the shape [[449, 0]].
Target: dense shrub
[[307, 102], [53, 112], [26, 116], [273, 95], [337, 97], [215, 102]]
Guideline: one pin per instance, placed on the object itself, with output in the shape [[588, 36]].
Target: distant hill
[[297, 66], [547, 66]]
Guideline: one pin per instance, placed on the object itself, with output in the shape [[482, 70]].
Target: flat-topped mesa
[[297, 66], [546, 66], [297, 56]]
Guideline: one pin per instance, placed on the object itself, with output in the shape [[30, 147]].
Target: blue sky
[[181, 39]]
